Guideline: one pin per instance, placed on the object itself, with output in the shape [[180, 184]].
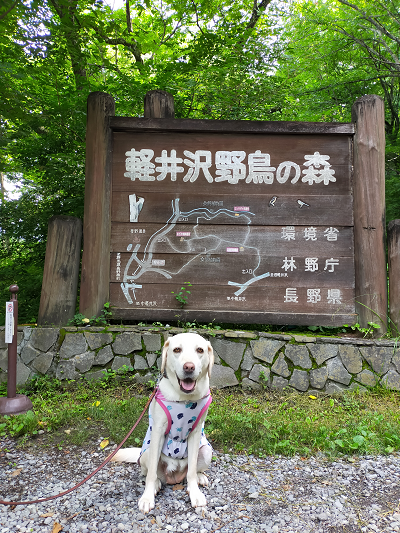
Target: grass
[[261, 423]]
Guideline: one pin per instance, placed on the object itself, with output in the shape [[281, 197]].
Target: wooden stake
[[61, 271], [369, 210], [159, 104]]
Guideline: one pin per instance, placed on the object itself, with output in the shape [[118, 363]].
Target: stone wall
[[304, 363]]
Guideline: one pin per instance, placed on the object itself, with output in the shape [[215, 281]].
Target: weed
[[367, 332], [183, 294], [101, 320]]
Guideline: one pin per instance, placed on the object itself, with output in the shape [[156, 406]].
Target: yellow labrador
[[175, 445]]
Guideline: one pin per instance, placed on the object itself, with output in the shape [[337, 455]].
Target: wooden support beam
[[61, 271], [96, 223], [394, 275], [369, 210], [159, 104]]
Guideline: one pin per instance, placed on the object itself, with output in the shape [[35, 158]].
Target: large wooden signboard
[[260, 223], [270, 222]]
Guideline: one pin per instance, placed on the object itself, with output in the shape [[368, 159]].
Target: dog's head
[[187, 357]]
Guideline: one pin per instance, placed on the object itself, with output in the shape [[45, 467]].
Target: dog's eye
[[177, 350], [200, 350]]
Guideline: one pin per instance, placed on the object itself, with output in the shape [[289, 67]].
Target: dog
[[175, 446]]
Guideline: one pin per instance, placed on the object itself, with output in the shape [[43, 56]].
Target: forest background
[[242, 59]]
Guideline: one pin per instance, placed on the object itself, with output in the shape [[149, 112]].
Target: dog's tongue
[[188, 385]]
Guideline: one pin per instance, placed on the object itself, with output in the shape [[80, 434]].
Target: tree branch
[[133, 46], [256, 13], [3, 16]]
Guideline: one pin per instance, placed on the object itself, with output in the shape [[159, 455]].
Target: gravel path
[[275, 494]]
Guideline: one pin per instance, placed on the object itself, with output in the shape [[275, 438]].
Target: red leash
[[95, 471]]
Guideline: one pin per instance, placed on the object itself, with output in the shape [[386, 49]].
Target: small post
[[393, 235], [368, 113], [13, 404], [61, 271], [159, 104]]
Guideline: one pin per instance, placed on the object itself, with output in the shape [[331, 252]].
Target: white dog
[[175, 445]]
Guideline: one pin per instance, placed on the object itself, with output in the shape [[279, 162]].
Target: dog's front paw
[[197, 498], [202, 479], [146, 503]]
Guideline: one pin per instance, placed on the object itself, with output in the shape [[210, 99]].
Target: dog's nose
[[188, 367]]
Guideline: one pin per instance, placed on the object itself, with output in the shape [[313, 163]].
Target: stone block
[[73, 344], [2, 339], [84, 361], [280, 367], [256, 371], [119, 362], [391, 380], [43, 362], [94, 375], [299, 355], [29, 353], [351, 358], [230, 352], [240, 335], [337, 371], [334, 388], [276, 336], [66, 370], [3, 377], [323, 352], [152, 342], [249, 384], [104, 356], [96, 340], [3, 344], [396, 360], [4, 359], [299, 380], [23, 372], [223, 376], [127, 343], [367, 378], [248, 360], [151, 359], [378, 358], [318, 377], [266, 349], [304, 338], [140, 363], [44, 338], [279, 383]]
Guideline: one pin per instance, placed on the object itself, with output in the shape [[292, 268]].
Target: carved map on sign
[[256, 223]]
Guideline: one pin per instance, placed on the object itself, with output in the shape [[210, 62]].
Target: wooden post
[[394, 275], [159, 104], [369, 210], [95, 276], [61, 271]]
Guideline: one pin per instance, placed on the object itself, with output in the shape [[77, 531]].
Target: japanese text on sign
[[231, 166]]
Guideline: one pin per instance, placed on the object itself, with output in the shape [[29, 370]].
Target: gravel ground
[[245, 494]]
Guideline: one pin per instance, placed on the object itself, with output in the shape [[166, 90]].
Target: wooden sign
[[270, 222], [260, 224]]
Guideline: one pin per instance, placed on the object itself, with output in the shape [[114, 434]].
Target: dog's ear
[[210, 358], [164, 356]]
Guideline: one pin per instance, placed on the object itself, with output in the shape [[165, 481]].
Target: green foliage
[[183, 294], [101, 320], [366, 332]]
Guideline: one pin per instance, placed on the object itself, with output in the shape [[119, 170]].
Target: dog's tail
[[127, 455]]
